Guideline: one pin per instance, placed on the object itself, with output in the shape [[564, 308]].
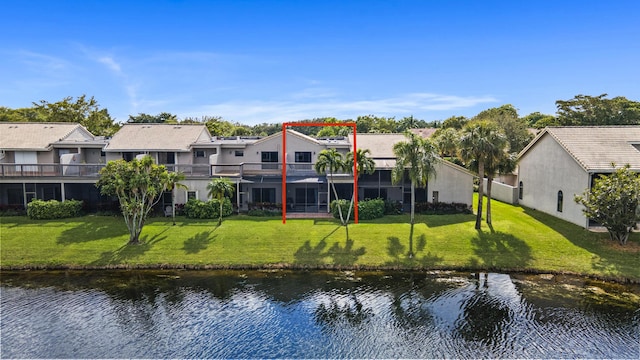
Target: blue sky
[[275, 61]]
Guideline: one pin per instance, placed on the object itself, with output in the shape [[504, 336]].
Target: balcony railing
[[194, 170]]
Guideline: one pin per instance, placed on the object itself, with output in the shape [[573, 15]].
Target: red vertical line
[[284, 173], [355, 176]]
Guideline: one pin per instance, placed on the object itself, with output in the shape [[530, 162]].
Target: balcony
[[50, 170], [263, 168]]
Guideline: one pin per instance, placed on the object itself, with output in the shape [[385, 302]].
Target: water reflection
[[315, 315]]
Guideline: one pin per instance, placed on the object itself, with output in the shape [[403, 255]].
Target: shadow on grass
[[318, 254], [498, 249], [444, 220], [608, 255], [91, 231], [400, 253], [129, 251], [198, 242]]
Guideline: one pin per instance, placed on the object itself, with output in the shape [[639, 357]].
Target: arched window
[[520, 190], [560, 200]]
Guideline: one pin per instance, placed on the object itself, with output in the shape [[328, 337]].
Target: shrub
[[198, 209], [12, 210], [260, 212], [392, 207], [53, 209], [441, 208], [367, 209]]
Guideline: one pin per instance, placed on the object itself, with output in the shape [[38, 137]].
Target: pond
[[283, 314]]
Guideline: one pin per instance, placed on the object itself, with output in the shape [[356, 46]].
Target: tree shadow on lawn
[[400, 253], [91, 231], [445, 219], [129, 251], [498, 249], [198, 242], [341, 255], [608, 254]]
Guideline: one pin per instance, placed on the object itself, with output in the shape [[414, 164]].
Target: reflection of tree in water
[[351, 312], [484, 317]]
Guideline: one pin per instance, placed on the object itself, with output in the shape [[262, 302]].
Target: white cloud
[[299, 107]]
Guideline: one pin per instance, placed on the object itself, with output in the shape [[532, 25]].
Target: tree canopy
[[584, 110], [614, 202], [138, 184]]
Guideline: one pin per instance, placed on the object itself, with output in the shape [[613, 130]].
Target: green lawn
[[522, 239]]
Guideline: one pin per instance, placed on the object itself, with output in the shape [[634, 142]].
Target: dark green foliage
[[12, 210], [367, 209], [584, 110], [392, 207], [260, 212], [441, 208], [198, 209], [53, 209]]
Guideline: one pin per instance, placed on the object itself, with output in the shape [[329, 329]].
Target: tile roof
[[158, 137], [36, 136], [596, 147]]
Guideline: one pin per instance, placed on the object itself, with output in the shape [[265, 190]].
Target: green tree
[[539, 120], [416, 158], [83, 111], [447, 142], [219, 189], [480, 141], [138, 184], [503, 163], [584, 110], [614, 202], [162, 118], [173, 182], [329, 162], [364, 165], [515, 129]]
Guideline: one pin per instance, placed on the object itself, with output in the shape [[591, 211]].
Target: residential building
[[49, 161], [562, 162]]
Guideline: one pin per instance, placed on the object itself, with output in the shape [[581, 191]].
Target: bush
[[392, 207], [260, 212], [53, 209], [12, 210], [441, 208], [198, 209], [367, 209]]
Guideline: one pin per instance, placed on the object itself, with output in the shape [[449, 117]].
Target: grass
[[521, 240]]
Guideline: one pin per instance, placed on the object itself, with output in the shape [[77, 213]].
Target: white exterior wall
[[547, 168], [502, 192], [452, 185]]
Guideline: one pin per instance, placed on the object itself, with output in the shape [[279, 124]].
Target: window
[[192, 195], [239, 153], [270, 157], [303, 156], [199, 153], [520, 190], [267, 195], [560, 201]]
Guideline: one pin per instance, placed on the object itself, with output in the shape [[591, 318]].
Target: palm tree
[[481, 141], [173, 182], [447, 142], [364, 164], [218, 189], [329, 162], [417, 157]]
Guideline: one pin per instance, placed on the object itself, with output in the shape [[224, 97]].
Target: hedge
[[53, 209], [198, 209], [367, 209]]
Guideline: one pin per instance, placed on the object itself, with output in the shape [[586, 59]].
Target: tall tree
[[416, 158], [479, 141], [584, 110], [614, 202], [219, 189], [364, 165], [138, 184], [447, 142], [173, 183], [161, 118], [83, 111], [503, 163], [515, 129], [330, 162]]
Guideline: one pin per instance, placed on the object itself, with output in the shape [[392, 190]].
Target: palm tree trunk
[[480, 194], [173, 206], [489, 182], [413, 212], [220, 215], [335, 193]]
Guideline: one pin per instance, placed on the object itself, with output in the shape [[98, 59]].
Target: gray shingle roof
[[596, 147], [36, 136], [158, 137]]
